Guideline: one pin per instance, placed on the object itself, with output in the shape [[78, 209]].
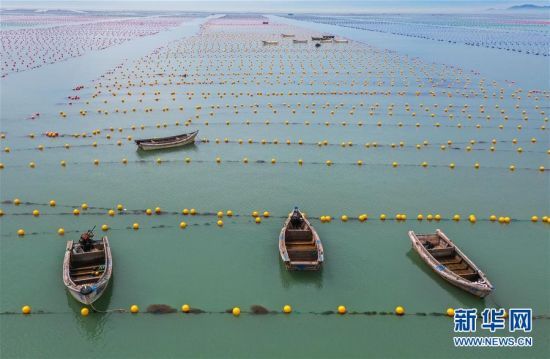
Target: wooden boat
[[340, 41], [447, 260], [166, 142], [299, 41], [327, 41], [86, 274], [316, 38], [287, 35], [299, 244], [270, 42]]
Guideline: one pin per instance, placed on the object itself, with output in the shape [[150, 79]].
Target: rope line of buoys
[[246, 161], [121, 210], [324, 143], [236, 311]]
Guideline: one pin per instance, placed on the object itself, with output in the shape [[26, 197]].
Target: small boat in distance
[[87, 267], [166, 142], [299, 244], [340, 41], [299, 41], [287, 35], [270, 42], [447, 260]]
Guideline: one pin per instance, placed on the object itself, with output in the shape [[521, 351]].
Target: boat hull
[[145, 145], [475, 288], [98, 287], [301, 265]]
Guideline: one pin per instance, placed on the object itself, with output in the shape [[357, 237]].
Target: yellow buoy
[[76, 212], [342, 309], [84, 206], [287, 309], [492, 218], [236, 311], [84, 312], [399, 310], [148, 211], [183, 225], [185, 211], [119, 207], [111, 213], [104, 227], [258, 220], [472, 218], [36, 213], [456, 217], [266, 214], [220, 214], [420, 217], [192, 211], [185, 308], [17, 201], [61, 231], [229, 213], [135, 226], [220, 223], [344, 218], [383, 217], [450, 312], [134, 309], [534, 219], [52, 203], [157, 210], [26, 309]]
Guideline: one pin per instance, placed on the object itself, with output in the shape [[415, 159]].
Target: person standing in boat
[[296, 219], [86, 240]]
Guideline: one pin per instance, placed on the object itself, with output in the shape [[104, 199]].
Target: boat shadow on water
[[93, 326], [300, 278], [142, 154], [466, 299]]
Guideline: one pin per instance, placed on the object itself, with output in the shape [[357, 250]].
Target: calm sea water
[[369, 266]]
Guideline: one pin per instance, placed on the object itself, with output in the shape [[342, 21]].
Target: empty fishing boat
[[447, 260], [299, 244], [166, 142], [87, 267]]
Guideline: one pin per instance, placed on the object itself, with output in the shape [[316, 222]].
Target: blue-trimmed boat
[[87, 268]]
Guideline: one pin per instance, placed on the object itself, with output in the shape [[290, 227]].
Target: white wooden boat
[[86, 274], [299, 244], [166, 142], [447, 260]]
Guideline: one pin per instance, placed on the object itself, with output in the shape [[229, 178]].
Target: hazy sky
[[275, 5]]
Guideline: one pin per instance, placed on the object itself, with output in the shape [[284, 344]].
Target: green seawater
[[369, 267]]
